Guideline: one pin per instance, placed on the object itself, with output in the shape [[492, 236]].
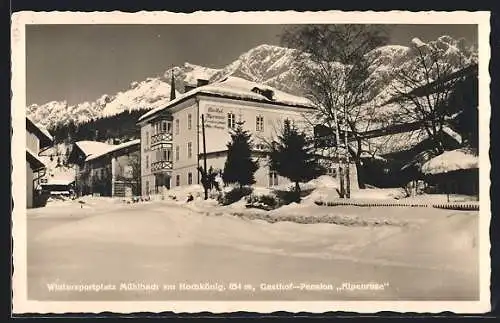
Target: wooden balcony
[[160, 166], [161, 137]]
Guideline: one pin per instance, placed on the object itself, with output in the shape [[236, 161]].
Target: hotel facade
[[172, 138]]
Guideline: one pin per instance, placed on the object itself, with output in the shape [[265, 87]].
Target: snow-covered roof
[[58, 181], [394, 142], [238, 88], [114, 148], [450, 161], [92, 147], [35, 158]]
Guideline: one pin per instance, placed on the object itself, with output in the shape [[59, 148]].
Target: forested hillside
[[120, 127]]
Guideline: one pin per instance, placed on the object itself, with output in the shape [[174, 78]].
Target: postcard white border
[[21, 19]]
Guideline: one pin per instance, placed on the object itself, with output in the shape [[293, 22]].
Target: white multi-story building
[[171, 136]]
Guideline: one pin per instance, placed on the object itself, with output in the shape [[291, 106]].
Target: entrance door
[[162, 180]]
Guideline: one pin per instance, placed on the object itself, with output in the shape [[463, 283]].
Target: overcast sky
[[79, 63]]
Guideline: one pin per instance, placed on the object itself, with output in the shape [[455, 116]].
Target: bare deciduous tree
[[334, 64], [423, 84]]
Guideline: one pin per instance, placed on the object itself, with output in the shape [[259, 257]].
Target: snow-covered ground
[[422, 253]]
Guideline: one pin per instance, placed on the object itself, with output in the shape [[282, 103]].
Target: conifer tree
[[239, 166], [293, 157]]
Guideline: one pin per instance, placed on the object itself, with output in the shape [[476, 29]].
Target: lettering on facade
[[215, 118]]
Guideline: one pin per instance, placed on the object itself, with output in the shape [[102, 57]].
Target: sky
[[79, 63]]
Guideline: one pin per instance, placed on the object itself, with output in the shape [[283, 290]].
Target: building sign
[[215, 118]]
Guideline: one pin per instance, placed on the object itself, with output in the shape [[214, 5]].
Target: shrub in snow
[[265, 202], [288, 196], [234, 195]]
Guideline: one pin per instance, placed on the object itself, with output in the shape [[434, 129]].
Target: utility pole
[[204, 155]]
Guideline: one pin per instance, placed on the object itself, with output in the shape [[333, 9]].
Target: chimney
[[201, 82], [172, 87], [188, 87]]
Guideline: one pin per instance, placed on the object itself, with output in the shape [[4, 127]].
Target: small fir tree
[[239, 166], [293, 157]]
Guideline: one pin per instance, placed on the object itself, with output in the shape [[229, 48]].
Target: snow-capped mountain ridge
[[147, 94], [267, 64]]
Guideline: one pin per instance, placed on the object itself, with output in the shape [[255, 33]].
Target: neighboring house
[[407, 146], [455, 171], [37, 139], [79, 153], [171, 136], [58, 187], [107, 170]]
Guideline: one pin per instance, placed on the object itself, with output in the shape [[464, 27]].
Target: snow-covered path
[[156, 242]]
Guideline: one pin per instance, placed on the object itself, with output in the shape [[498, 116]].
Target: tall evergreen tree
[[240, 167], [293, 157]]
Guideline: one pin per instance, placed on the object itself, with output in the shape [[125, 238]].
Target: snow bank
[[181, 193], [259, 191], [378, 193], [450, 161], [324, 181]]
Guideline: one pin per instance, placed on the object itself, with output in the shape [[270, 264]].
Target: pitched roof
[[114, 148], [437, 85], [450, 161], [43, 134], [92, 147], [240, 89], [395, 142], [34, 160]]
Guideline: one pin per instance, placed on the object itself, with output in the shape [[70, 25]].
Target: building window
[[147, 161], [164, 154], [177, 130], [273, 178], [177, 149], [231, 120], [189, 121], [259, 123], [147, 187], [190, 149], [164, 124], [178, 180], [147, 140], [190, 178]]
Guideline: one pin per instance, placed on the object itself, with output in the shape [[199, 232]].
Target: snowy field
[[415, 253]]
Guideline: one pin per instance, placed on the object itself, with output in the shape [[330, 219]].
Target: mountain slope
[[147, 94], [266, 64], [271, 65]]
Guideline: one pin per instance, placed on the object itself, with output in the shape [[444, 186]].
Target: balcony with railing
[[161, 137], [160, 166]]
